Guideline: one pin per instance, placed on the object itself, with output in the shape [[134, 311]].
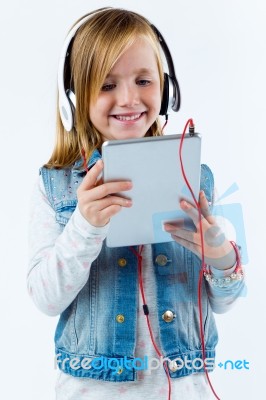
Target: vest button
[[173, 366], [120, 318], [161, 260], [168, 316], [122, 262], [120, 370]]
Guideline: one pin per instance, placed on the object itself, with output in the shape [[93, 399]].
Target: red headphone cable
[[146, 313], [191, 125]]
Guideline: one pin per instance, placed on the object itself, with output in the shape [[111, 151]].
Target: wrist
[[85, 228], [224, 277], [225, 260]]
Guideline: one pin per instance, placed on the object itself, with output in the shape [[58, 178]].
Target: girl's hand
[[218, 251], [96, 201]]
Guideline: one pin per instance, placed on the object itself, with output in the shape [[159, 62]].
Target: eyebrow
[[136, 72]]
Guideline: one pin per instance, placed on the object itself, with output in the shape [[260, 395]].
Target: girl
[[104, 347]]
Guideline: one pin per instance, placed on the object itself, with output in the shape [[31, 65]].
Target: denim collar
[[92, 160]]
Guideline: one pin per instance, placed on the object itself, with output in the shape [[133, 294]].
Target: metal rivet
[[122, 262], [173, 366], [120, 318], [168, 316], [161, 260]]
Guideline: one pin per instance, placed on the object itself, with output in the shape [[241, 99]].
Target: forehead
[[140, 56]]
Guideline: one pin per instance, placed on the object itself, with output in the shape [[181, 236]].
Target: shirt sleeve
[[222, 298], [59, 260]]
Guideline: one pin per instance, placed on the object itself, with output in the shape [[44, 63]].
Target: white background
[[219, 53]]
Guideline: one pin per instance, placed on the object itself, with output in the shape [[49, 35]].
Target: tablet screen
[[153, 166]]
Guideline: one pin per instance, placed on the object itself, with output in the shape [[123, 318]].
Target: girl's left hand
[[218, 251]]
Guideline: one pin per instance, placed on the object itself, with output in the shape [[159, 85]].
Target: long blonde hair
[[96, 47]]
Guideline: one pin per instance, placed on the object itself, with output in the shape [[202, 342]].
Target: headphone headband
[[65, 107], [176, 95], [67, 101]]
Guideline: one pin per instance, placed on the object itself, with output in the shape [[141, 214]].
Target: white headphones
[[67, 99]]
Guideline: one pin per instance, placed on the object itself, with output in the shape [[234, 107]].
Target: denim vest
[[100, 324]]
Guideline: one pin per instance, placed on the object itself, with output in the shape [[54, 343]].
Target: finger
[[196, 249], [179, 224], [193, 213], [205, 208], [101, 191], [90, 178], [182, 233], [99, 181], [99, 212], [111, 200], [102, 217], [110, 211]]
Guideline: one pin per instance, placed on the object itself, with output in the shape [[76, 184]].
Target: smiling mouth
[[131, 117]]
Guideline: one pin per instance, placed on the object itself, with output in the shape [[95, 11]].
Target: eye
[[143, 82], [107, 87]]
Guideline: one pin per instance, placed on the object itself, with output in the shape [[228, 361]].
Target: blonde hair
[[96, 47]]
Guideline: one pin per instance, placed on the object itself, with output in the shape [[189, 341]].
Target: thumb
[[91, 178]]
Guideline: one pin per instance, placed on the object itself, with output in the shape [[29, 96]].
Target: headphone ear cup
[[70, 105], [165, 96], [65, 112]]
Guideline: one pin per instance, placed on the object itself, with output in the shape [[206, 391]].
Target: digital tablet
[[153, 166]]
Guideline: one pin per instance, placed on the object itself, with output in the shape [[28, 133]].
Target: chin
[[129, 135]]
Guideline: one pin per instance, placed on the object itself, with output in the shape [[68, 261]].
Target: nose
[[128, 95]]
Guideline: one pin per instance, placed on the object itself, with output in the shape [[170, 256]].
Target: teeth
[[127, 118]]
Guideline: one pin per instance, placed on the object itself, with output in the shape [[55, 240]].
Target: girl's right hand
[[96, 201]]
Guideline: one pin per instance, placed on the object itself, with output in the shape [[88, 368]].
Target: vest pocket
[[63, 211]]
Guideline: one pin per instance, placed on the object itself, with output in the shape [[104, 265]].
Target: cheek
[[155, 98], [155, 101], [96, 111]]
